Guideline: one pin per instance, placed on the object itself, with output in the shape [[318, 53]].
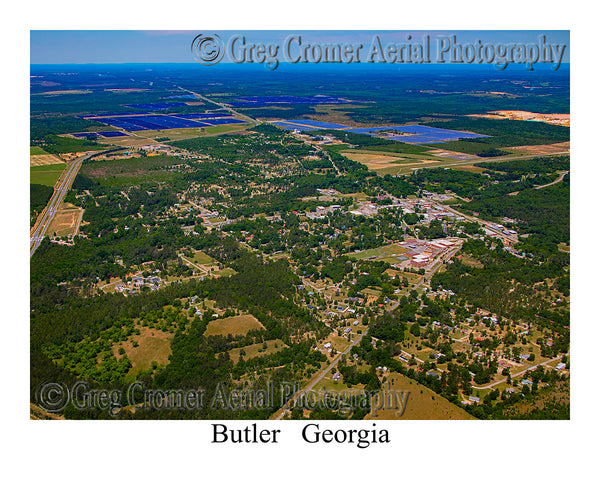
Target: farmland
[[46, 174]]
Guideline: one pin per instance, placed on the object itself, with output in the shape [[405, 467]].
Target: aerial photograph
[[299, 225]]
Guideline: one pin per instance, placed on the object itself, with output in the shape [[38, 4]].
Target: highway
[[38, 232], [221, 105]]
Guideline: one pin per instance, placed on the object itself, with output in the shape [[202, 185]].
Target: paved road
[[511, 237], [321, 375], [63, 185], [559, 179], [221, 105], [280, 414], [492, 159], [483, 387]]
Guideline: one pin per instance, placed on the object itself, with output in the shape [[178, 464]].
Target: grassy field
[[256, 350], [46, 174], [186, 133], [153, 346], [201, 258], [65, 221], [39, 160], [37, 151], [130, 171], [236, 325], [226, 272], [422, 404], [384, 253], [392, 163]]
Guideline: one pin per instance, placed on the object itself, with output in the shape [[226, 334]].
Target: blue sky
[[163, 46]]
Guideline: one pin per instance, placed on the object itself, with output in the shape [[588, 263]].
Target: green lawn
[[201, 258], [46, 174], [226, 272]]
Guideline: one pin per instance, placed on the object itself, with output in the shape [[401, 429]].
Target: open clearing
[[64, 92], [543, 149], [256, 350], [384, 163], [236, 325], [66, 221], [46, 174], [385, 253], [226, 272], [202, 258], [175, 134], [153, 346], [46, 159], [37, 151], [422, 404]]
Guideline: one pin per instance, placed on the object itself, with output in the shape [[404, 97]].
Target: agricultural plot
[[383, 163], [236, 325], [39, 160], [555, 148], [37, 151], [47, 174]]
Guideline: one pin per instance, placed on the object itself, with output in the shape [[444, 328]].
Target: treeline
[[538, 165], [42, 127], [38, 198], [545, 213], [506, 284]]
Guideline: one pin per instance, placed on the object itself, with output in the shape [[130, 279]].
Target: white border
[[429, 449]]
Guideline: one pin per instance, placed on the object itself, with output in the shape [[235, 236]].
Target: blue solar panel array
[[193, 116], [136, 123], [418, 134], [85, 134], [222, 121], [113, 134]]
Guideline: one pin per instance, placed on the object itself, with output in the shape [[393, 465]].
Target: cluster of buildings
[[429, 209], [322, 212], [136, 283], [421, 252]]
